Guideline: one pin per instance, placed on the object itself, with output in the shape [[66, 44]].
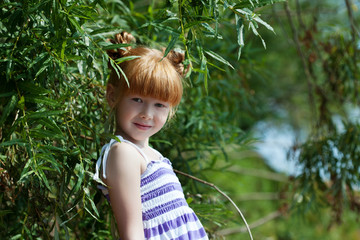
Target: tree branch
[[303, 59], [222, 193], [354, 32]]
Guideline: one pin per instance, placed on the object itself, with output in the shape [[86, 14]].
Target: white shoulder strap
[[102, 160]]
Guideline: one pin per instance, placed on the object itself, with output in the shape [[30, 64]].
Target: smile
[[142, 126]]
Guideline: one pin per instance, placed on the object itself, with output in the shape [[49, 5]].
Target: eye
[[160, 105], [138, 100]]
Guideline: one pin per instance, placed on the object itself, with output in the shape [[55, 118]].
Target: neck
[[140, 143]]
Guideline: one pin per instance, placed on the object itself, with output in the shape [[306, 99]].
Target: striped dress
[[165, 212]]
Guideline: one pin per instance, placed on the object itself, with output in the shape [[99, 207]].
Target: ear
[[110, 95]]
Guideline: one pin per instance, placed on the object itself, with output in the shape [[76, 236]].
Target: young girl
[[145, 195]]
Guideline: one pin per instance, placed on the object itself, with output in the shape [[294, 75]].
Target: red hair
[[149, 75]]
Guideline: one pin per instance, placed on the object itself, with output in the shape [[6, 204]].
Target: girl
[[145, 195]]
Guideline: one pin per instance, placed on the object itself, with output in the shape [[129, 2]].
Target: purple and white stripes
[[165, 212]]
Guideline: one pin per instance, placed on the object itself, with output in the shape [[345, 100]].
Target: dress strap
[[157, 152], [102, 160], [137, 148]]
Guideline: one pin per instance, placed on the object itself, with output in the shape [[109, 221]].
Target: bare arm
[[123, 179]]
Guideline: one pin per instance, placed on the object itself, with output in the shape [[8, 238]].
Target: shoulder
[[123, 149], [123, 158]]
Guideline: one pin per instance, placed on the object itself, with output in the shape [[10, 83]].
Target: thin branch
[[255, 224], [354, 29], [298, 12], [302, 57], [86, 137], [222, 193], [354, 32]]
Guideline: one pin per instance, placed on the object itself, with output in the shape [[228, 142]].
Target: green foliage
[[329, 157], [51, 100], [53, 115], [313, 83]]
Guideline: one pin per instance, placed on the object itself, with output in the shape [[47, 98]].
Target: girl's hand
[[123, 172]]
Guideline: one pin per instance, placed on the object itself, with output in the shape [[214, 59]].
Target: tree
[[53, 114], [328, 55]]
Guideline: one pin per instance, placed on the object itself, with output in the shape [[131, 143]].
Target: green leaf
[[68, 220], [38, 59], [50, 125], [250, 4], [240, 34], [123, 59], [259, 20], [208, 27], [218, 57], [43, 134], [87, 210], [62, 54], [171, 45], [8, 94], [42, 100], [4, 212], [33, 88], [18, 236], [43, 68], [115, 46], [79, 171], [19, 142], [191, 24], [162, 27], [43, 114], [105, 30], [75, 24], [43, 178], [25, 174], [118, 70], [8, 109], [93, 206]]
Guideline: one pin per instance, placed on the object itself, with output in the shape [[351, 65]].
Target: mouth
[[142, 126]]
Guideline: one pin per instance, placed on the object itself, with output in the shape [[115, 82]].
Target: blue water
[[274, 143], [276, 140]]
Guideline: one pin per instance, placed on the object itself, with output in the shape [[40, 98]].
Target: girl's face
[[138, 118]]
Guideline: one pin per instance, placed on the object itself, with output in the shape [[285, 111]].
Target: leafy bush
[[54, 118]]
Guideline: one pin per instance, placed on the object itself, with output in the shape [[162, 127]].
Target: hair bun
[[177, 58], [123, 37]]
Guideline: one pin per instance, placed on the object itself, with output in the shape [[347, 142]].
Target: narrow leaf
[[259, 20], [43, 114], [123, 59], [218, 58], [8, 109], [19, 142], [114, 46], [171, 45]]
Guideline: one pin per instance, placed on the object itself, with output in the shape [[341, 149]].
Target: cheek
[[163, 117]]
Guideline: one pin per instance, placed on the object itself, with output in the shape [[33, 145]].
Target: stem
[[309, 76], [222, 193], [354, 30]]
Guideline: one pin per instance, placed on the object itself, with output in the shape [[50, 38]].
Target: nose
[[146, 112]]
